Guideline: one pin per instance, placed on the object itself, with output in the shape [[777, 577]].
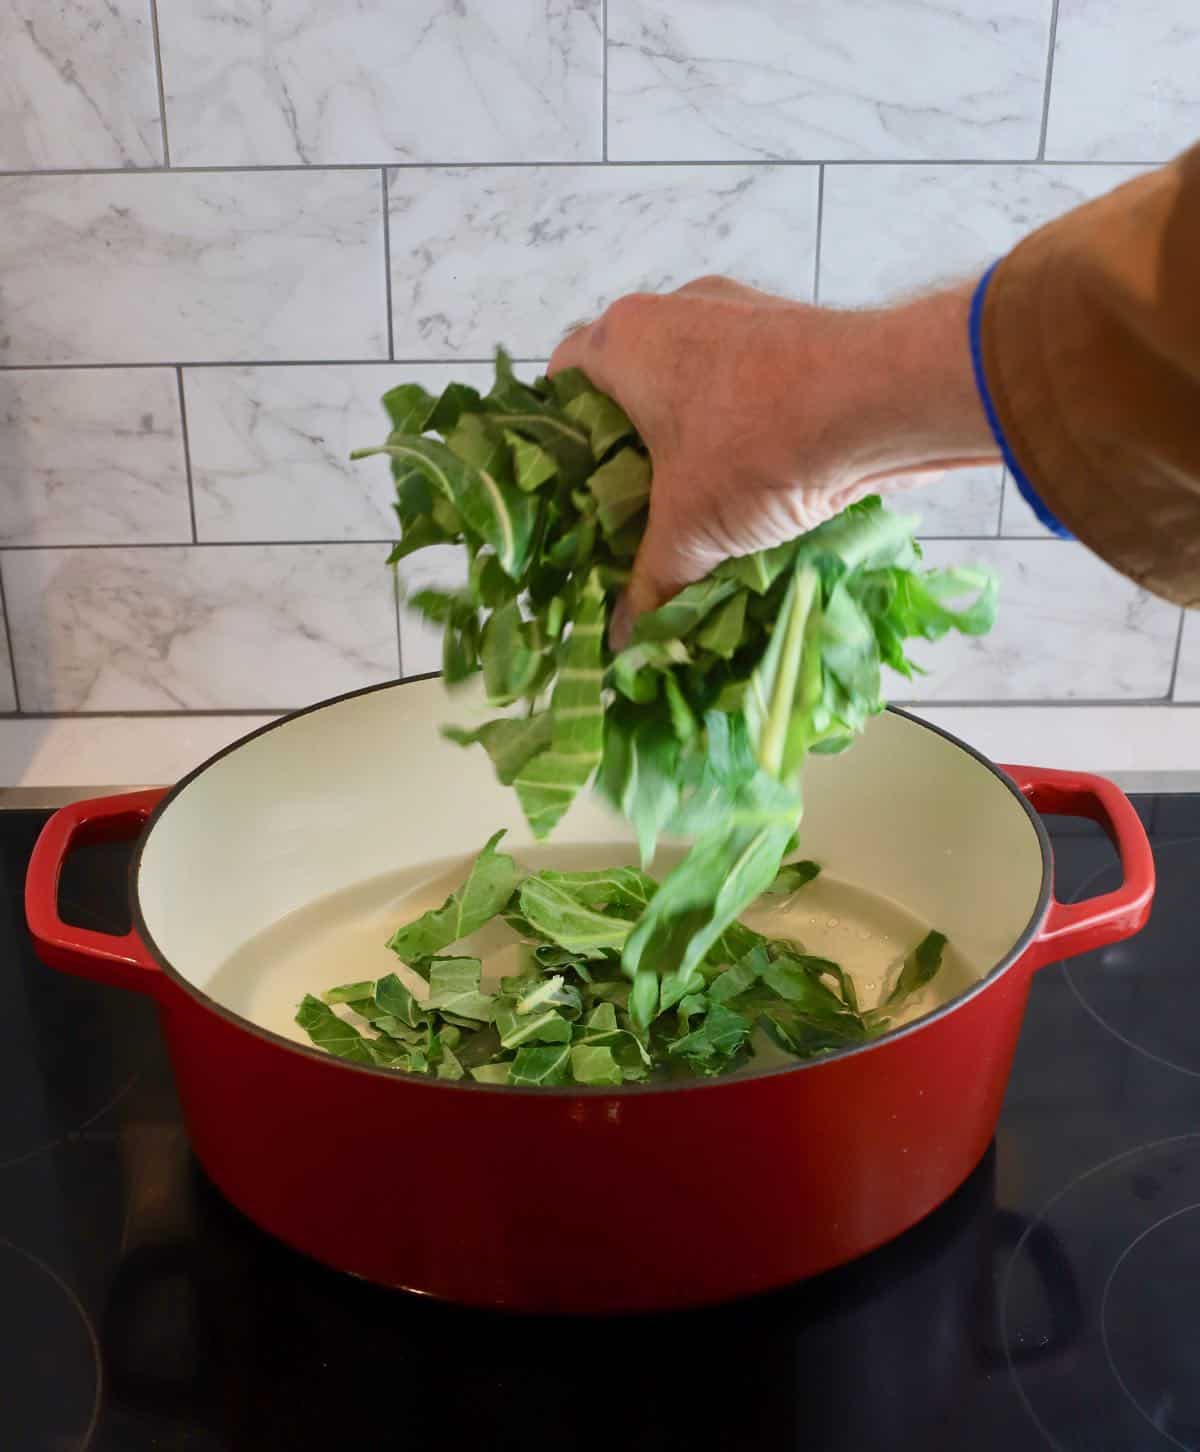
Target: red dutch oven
[[572, 1200]]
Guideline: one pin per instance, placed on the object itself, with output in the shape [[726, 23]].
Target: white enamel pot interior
[[365, 789]]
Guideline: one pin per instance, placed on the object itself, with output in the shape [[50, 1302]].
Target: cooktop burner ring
[[1089, 981], [46, 1273], [46, 1145], [1128, 1184], [1105, 1306]]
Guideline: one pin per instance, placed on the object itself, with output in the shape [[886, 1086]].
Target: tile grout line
[[387, 263], [1178, 655], [162, 90], [820, 229], [1046, 703], [262, 363], [604, 80], [187, 455], [683, 163], [1139, 704], [308, 542], [8, 640], [399, 633], [1041, 152], [203, 544]]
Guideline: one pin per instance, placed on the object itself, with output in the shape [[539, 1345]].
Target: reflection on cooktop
[[1144, 991], [71, 1051], [49, 1355], [1048, 1304], [1131, 1228]]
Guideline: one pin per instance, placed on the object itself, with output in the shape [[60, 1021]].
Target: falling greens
[[699, 727], [570, 1016]]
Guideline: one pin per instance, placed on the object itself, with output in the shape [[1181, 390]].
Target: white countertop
[[1142, 747]]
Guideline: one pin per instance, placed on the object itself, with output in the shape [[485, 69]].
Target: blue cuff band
[[1028, 492]]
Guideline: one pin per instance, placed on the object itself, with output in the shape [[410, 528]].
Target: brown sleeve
[[1091, 350]]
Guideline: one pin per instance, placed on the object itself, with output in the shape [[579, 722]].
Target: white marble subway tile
[[712, 80], [207, 628], [888, 231], [8, 695], [150, 268], [960, 502], [305, 81], [440, 567], [1069, 628], [514, 255], [1125, 80], [1017, 520], [78, 85], [270, 447], [1187, 681], [92, 456]]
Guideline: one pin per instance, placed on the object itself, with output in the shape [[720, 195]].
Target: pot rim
[[575, 1091]]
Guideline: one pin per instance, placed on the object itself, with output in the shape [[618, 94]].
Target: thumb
[[663, 566]]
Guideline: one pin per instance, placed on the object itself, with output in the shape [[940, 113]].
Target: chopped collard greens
[[699, 728]]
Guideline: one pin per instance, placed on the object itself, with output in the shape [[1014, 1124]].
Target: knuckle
[[629, 309]]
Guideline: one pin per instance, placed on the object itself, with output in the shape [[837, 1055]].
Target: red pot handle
[[1078, 927], [123, 961]]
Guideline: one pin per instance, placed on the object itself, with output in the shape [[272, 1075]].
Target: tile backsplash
[[229, 227]]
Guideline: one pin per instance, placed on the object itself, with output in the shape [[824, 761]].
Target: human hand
[[765, 417]]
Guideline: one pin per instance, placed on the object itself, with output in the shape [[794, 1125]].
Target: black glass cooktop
[[1054, 1301]]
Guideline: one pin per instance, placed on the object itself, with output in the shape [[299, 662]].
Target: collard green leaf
[[640, 773], [489, 586], [637, 670], [456, 400], [724, 872], [541, 1065], [332, 1033], [491, 1073], [918, 968], [720, 1036], [723, 631], [510, 741], [499, 514], [543, 1026], [699, 728], [559, 912], [681, 615], [808, 1038], [454, 987], [513, 664], [798, 981], [549, 781], [736, 979], [350, 992], [492, 880], [621, 489], [448, 1064], [776, 696], [419, 535], [533, 466], [409, 407], [622, 890], [605, 420], [594, 1064], [792, 877]]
